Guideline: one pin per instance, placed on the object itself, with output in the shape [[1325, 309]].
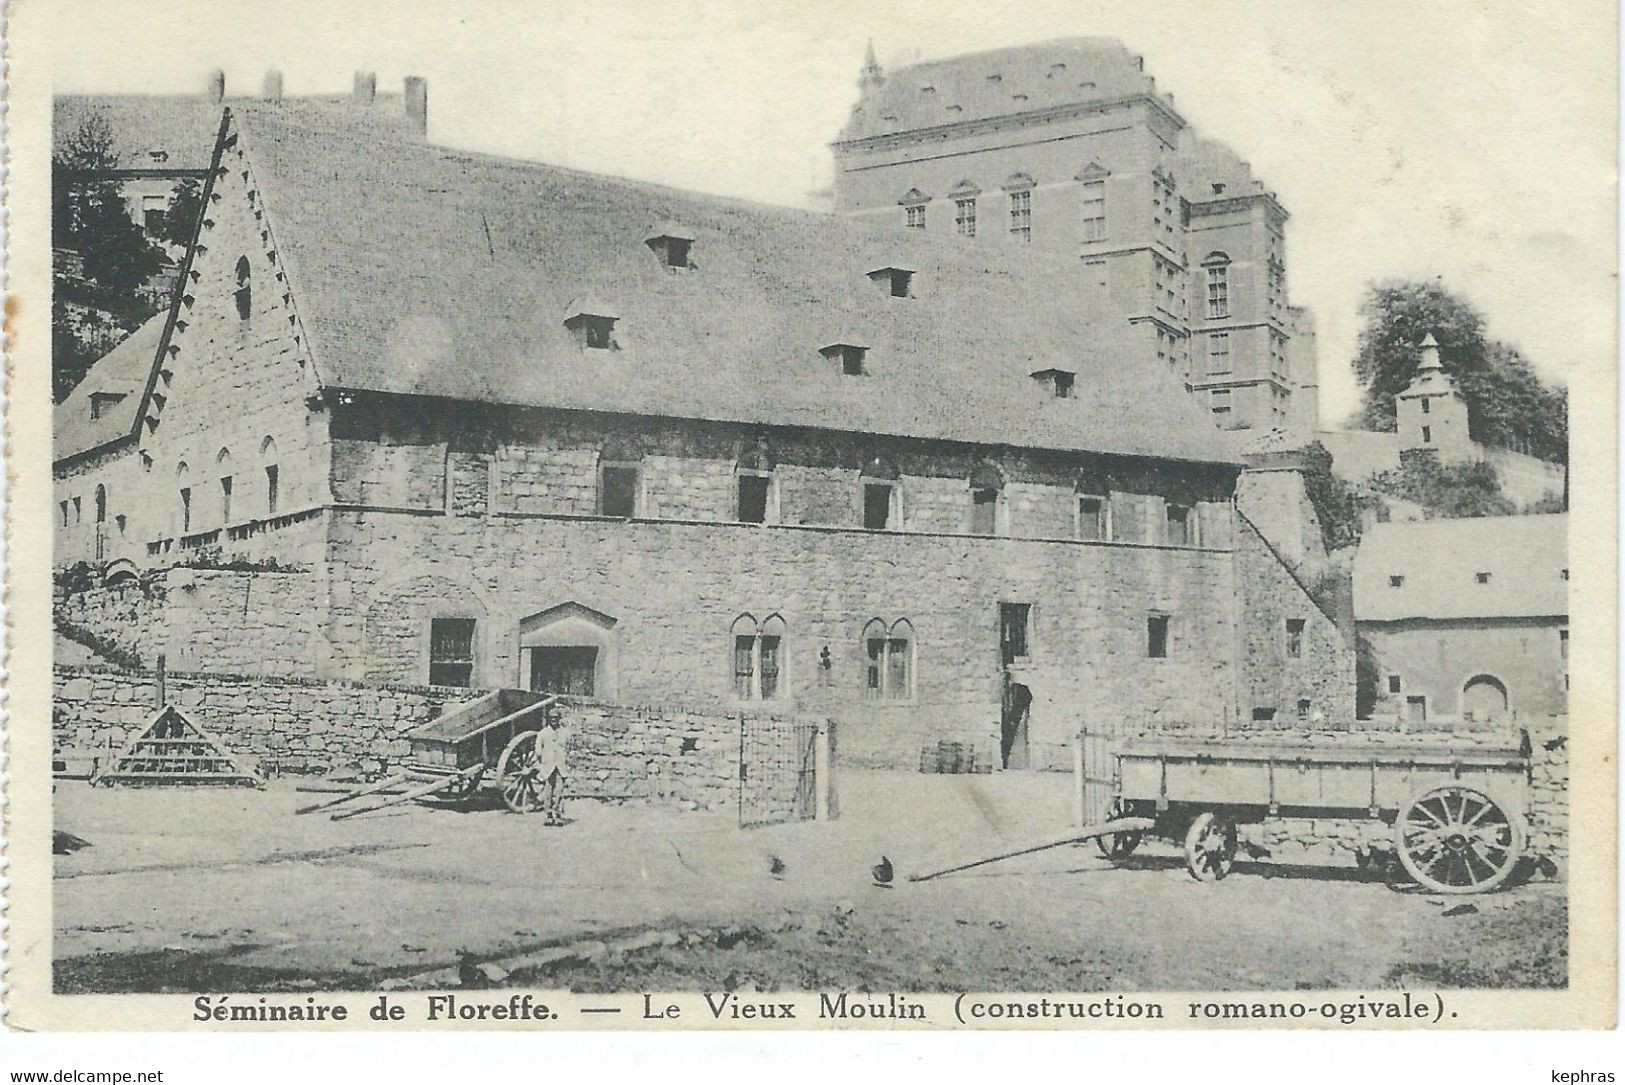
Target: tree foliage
[[1337, 504], [1450, 491], [1508, 405], [105, 258], [180, 219]]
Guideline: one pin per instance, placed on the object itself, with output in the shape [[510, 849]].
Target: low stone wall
[[659, 753], [655, 753]]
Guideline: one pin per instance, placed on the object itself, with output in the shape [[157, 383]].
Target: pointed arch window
[[184, 486], [223, 471], [758, 658], [273, 480], [888, 653], [244, 293]]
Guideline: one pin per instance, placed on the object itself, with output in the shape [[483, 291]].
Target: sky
[[1473, 141]]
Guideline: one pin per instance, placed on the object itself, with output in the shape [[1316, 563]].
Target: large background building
[[1068, 147]]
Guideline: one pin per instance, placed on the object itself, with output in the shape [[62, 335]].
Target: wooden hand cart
[[1459, 810], [489, 744]]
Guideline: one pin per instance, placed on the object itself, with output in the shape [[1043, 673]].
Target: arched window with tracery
[[888, 655], [758, 658]]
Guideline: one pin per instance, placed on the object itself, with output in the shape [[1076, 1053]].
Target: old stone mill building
[[429, 417]]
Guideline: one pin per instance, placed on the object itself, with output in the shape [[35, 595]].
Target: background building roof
[[122, 371], [977, 86], [1525, 556], [181, 128], [426, 271]]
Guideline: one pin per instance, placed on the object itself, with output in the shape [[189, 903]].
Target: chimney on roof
[[417, 103], [273, 87], [366, 88], [217, 86]]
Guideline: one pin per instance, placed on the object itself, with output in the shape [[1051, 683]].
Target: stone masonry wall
[[656, 753], [673, 592], [494, 460], [208, 619], [1313, 682]]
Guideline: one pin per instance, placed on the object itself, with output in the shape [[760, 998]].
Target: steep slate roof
[[997, 83], [122, 370], [1440, 559], [427, 271]]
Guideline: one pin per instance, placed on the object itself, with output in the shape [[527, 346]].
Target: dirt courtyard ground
[[226, 890]]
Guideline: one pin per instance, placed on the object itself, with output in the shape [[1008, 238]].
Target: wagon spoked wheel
[[516, 774], [1457, 840], [1118, 846], [1210, 846]]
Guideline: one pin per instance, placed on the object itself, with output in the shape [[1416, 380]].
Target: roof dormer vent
[[592, 322], [850, 355], [674, 245], [898, 282], [1060, 383]]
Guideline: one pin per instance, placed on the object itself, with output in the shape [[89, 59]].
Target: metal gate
[[778, 770], [1096, 771]]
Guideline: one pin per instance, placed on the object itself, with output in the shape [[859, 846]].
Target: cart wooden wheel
[[1118, 846], [1210, 846], [516, 774], [1456, 839]]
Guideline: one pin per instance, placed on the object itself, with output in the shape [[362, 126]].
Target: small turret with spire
[[872, 76], [1430, 413], [1430, 355]]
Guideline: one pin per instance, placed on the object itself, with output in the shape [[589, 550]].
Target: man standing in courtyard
[[551, 763]]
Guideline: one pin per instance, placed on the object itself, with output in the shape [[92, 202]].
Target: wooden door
[[567, 670]]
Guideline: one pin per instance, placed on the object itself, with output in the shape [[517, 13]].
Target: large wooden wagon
[[1458, 810], [488, 744]]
